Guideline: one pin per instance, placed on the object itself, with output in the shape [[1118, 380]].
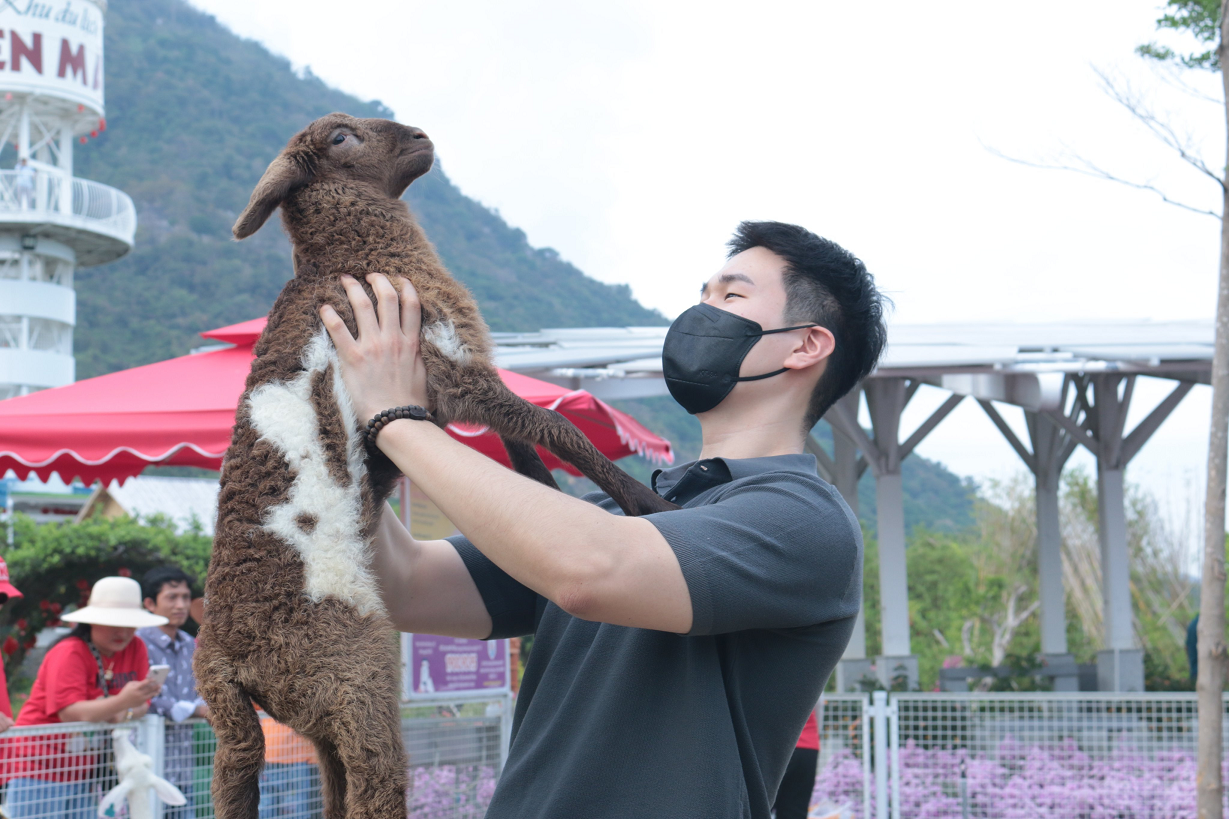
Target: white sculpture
[[136, 780]]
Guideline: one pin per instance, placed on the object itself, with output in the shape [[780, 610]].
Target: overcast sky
[[633, 136]]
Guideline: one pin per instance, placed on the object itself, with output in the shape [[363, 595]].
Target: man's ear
[[150, 604], [816, 345], [284, 175]]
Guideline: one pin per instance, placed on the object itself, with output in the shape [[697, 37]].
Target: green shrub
[[55, 565]]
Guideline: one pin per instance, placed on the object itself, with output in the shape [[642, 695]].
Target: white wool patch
[[443, 336], [334, 554]]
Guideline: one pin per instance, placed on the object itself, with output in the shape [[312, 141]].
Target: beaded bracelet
[[384, 418]]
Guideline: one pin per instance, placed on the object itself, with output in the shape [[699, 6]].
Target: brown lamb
[[293, 620]]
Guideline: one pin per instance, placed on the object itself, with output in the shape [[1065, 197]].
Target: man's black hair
[[827, 285], [155, 579]]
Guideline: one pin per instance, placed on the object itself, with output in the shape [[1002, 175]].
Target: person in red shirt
[[97, 673], [794, 795], [7, 592]]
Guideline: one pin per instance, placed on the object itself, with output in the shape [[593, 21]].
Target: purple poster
[[453, 665]]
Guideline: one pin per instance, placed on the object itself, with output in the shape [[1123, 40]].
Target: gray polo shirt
[[625, 722]]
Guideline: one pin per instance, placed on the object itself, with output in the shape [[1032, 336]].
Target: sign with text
[[53, 47], [435, 667]]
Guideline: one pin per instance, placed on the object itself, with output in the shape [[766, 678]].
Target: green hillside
[[194, 115]]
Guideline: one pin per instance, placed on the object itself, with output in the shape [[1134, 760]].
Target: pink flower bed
[[1027, 782], [450, 791]]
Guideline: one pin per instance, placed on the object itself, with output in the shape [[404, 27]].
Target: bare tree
[[1005, 626], [1211, 679], [1208, 22]]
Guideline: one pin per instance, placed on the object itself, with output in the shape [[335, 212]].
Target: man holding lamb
[[676, 655]]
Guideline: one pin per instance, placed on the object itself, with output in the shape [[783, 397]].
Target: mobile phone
[[158, 673]]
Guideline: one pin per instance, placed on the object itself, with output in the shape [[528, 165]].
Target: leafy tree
[[55, 566], [1200, 18]]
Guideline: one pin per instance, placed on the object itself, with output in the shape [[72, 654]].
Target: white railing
[[62, 771], [92, 204], [1000, 756], [844, 779]]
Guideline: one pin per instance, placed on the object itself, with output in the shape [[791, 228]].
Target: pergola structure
[[1074, 383]]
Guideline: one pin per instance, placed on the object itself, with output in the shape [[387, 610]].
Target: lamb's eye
[[340, 138]]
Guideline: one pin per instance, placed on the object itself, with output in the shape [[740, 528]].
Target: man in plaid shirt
[[167, 592]]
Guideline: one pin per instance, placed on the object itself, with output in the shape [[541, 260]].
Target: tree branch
[[1006, 629], [1097, 173], [1122, 93], [1170, 76]]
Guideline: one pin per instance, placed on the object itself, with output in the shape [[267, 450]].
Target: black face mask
[[704, 351]]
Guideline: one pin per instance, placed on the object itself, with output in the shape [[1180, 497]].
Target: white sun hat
[[116, 601]]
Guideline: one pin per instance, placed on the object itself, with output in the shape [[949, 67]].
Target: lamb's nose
[[418, 133]]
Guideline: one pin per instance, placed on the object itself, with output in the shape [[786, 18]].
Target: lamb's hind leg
[[525, 460], [240, 753], [332, 779], [367, 743], [487, 401]]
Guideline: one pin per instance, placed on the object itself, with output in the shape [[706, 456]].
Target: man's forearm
[[571, 552], [392, 558]]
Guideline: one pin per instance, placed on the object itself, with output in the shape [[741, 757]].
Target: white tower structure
[[51, 96]]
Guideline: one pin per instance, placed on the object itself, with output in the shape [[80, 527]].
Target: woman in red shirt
[[7, 592], [95, 674]]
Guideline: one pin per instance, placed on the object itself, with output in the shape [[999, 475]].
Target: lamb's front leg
[[484, 399]]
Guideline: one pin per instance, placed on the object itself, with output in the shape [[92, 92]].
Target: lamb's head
[[372, 157]]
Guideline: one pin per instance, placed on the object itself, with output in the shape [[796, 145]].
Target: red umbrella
[[180, 413]]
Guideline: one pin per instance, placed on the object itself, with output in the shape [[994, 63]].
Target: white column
[[1048, 457], [1050, 570], [1108, 417], [846, 456], [885, 398], [1115, 565], [893, 578], [845, 453]]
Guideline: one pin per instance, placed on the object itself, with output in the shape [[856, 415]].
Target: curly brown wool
[[321, 667]]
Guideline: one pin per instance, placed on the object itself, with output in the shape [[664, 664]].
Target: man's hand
[[6, 723], [383, 367], [202, 711]]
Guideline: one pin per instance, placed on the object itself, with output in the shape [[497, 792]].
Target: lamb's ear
[[283, 176]]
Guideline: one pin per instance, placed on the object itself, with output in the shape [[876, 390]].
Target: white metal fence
[[62, 771], [904, 756], [1007, 756]]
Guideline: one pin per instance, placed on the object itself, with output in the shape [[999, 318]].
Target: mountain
[[194, 116]]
